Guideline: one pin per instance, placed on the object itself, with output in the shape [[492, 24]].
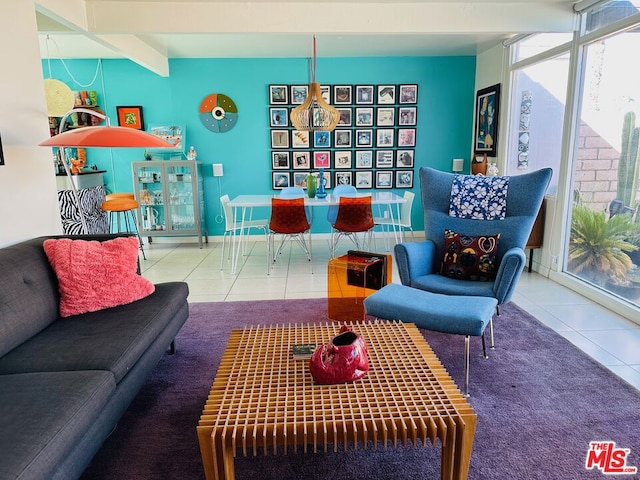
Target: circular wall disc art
[[218, 113]]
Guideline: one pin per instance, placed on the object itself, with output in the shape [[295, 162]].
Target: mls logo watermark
[[609, 459]]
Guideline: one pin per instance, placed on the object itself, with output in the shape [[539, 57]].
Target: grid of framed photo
[[373, 145]]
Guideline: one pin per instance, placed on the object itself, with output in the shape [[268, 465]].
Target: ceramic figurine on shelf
[[93, 98], [322, 182]]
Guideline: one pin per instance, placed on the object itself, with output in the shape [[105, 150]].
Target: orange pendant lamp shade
[[314, 114], [109, 137]]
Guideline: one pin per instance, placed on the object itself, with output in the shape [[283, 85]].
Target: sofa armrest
[[509, 272], [414, 259]]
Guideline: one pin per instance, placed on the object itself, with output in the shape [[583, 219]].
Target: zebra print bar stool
[[123, 207]]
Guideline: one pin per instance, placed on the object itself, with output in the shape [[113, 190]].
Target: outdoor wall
[[445, 112], [596, 175]]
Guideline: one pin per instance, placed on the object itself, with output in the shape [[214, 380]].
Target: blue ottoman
[[460, 315]]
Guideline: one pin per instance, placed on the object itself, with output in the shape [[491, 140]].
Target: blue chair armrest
[[414, 259], [509, 272]]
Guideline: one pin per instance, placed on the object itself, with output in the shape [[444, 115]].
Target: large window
[[538, 98], [605, 225]]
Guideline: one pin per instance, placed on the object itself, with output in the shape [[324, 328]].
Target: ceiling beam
[[74, 15], [340, 17]]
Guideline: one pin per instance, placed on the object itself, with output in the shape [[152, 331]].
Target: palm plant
[[598, 245]]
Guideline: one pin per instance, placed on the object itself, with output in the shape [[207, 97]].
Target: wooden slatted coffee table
[[264, 400]]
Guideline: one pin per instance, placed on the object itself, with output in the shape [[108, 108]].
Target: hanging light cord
[[95, 76]]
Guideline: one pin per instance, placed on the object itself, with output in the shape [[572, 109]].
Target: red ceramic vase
[[342, 360]]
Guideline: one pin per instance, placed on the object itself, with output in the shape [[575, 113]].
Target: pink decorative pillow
[[94, 275]]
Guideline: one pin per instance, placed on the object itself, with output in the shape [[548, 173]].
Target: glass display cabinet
[[170, 195]]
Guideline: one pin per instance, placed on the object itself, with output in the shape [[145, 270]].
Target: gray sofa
[[65, 382]]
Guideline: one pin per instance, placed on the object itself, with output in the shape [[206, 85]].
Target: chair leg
[[466, 366], [484, 347], [493, 343], [135, 226]]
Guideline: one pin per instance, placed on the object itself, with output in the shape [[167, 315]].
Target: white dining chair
[[399, 225], [232, 227]]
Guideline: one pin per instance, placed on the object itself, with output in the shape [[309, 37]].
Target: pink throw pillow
[[94, 275]]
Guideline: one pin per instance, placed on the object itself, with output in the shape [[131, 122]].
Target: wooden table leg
[[464, 445]]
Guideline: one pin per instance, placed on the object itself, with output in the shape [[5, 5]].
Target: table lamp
[[98, 136]]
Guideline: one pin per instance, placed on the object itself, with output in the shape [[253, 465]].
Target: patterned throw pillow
[[470, 258], [94, 275], [478, 197]]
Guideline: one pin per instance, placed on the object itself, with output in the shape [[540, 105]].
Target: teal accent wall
[[445, 112]]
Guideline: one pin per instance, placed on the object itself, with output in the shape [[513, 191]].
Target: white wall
[[28, 200], [490, 66]]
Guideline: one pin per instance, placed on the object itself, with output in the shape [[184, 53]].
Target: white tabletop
[[265, 200]]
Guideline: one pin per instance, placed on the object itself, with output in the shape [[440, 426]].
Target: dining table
[[243, 205]]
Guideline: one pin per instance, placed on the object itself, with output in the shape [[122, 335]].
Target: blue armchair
[[419, 263]]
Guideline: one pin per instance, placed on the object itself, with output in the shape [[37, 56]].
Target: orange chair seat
[[114, 196], [119, 205]]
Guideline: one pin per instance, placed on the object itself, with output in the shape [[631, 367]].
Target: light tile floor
[[608, 338]]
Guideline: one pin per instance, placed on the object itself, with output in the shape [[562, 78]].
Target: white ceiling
[[150, 32]]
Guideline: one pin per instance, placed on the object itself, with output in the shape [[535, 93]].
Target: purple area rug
[[539, 401]]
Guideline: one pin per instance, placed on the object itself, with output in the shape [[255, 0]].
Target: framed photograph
[[364, 158], [300, 179], [299, 93], [407, 137], [342, 159], [325, 91], [364, 138], [327, 178], [280, 160], [344, 178], [342, 95], [384, 137], [301, 160], [322, 159], [279, 138], [281, 180], [342, 138], [404, 178], [487, 114], [279, 117], [407, 115], [408, 94], [345, 117], [384, 159], [386, 117], [364, 179], [322, 139], [364, 94], [130, 117], [364, 117], [300, 139], [404, 158], [386, 94], [278, 94], [384, 179]]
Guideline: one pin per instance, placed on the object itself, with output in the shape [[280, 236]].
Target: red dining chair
[[289, 219], [354, 216]]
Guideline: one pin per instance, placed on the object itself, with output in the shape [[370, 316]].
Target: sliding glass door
[[602, 246]]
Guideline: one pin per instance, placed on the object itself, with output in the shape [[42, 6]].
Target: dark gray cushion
[[43, 417], [28, 293], [111, 339]]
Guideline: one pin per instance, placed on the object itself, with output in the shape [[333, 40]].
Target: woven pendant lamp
[[314, 113]]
